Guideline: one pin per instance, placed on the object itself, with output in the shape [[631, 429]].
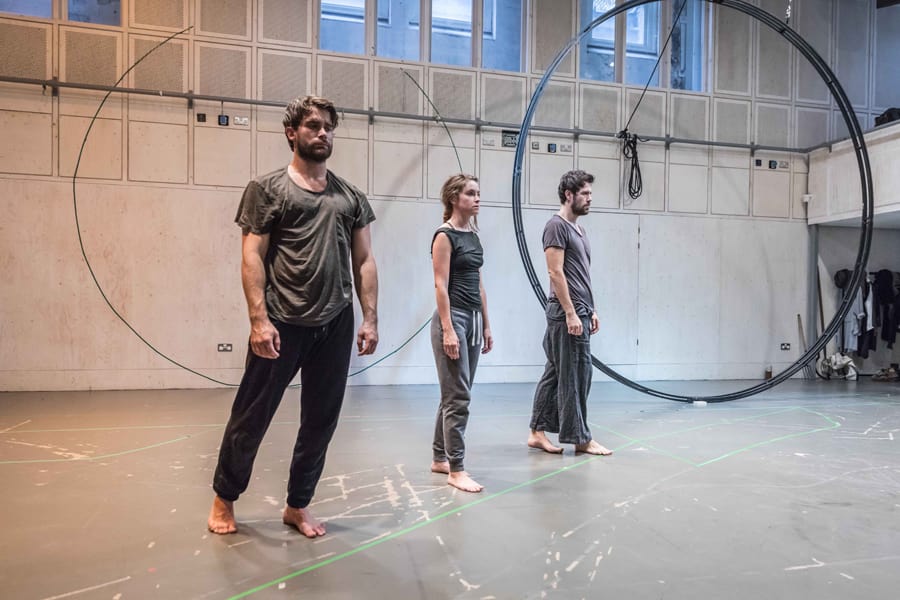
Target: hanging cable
[[630, 140], [630, 152], [78, 225], [438, 117]]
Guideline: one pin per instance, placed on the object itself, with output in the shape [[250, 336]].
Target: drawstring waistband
[[477, 329]]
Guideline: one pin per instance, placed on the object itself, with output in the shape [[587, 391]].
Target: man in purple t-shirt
[[560, 400]]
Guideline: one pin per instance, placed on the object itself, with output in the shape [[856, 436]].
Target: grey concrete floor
[[792, 493]]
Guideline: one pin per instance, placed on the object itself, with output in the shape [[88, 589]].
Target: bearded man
[[305, 233]]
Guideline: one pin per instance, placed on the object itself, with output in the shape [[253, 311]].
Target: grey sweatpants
[[560, 400], [455, 378]]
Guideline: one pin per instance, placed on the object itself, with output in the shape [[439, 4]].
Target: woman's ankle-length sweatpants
[[455, 378]]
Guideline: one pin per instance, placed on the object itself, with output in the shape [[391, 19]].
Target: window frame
[[599, 42]]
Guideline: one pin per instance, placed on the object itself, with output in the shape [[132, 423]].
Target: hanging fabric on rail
[[887, 305]]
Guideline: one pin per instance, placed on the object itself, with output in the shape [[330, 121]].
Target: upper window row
[[398, 31], [103, 12], [398, 34], [645, 33]]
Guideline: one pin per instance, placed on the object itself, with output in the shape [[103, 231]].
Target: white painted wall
[[835, 185], [707, 297]]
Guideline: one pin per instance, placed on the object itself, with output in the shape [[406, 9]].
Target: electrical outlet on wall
[[223, 347]]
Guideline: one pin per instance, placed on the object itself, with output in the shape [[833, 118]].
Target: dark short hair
[[572, 181], [300, 107]]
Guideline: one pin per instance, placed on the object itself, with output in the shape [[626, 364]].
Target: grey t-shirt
[[308, 270], [576, 263]]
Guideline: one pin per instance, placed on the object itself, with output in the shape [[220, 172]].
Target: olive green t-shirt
[[308, 269]]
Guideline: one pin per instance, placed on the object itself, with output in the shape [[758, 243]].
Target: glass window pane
[[398, 29], [29, 8], [887, 49], [502, 39], [104, 12], [596, 51], [687, 47], [451, 32], [642, 44], [342, 26]]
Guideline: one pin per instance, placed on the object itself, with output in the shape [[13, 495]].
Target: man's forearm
[[367, 289], [253, 280], [561, 287]]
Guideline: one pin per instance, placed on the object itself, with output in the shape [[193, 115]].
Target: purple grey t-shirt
[[308, 269], [576, 263]]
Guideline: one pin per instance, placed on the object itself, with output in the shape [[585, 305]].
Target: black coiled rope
[[629, 148], [630, 152]]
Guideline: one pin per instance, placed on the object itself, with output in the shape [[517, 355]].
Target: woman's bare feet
[[462, 481], [303, 522], [440, 467], [221, 517], [593, 447], [538, 439]]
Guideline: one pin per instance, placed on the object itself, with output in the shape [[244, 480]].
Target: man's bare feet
[[593, 447], [221, 517], [303, 522], [462, 481], [440, 467], [538, 439]]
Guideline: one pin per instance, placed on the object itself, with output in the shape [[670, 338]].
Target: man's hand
[[367, 338], [595, 323], [264, 339], [573, 323]]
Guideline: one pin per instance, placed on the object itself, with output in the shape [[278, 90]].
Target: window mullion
[[371, 26], [425, 29], [477, 31], [666, 17], [620, 42]]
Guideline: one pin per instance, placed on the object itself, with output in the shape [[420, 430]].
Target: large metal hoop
[[862, 159]]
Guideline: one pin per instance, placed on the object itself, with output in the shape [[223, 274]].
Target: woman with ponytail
[[460, 330]]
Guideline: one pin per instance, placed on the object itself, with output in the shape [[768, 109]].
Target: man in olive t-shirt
[[305, 232]]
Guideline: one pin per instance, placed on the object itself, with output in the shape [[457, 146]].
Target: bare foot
[[303, 521], [221, 517], [462, 481], [538, 439], [440, 467], [593, 447]]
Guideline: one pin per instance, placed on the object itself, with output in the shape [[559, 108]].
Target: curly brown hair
[[572, 181]]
